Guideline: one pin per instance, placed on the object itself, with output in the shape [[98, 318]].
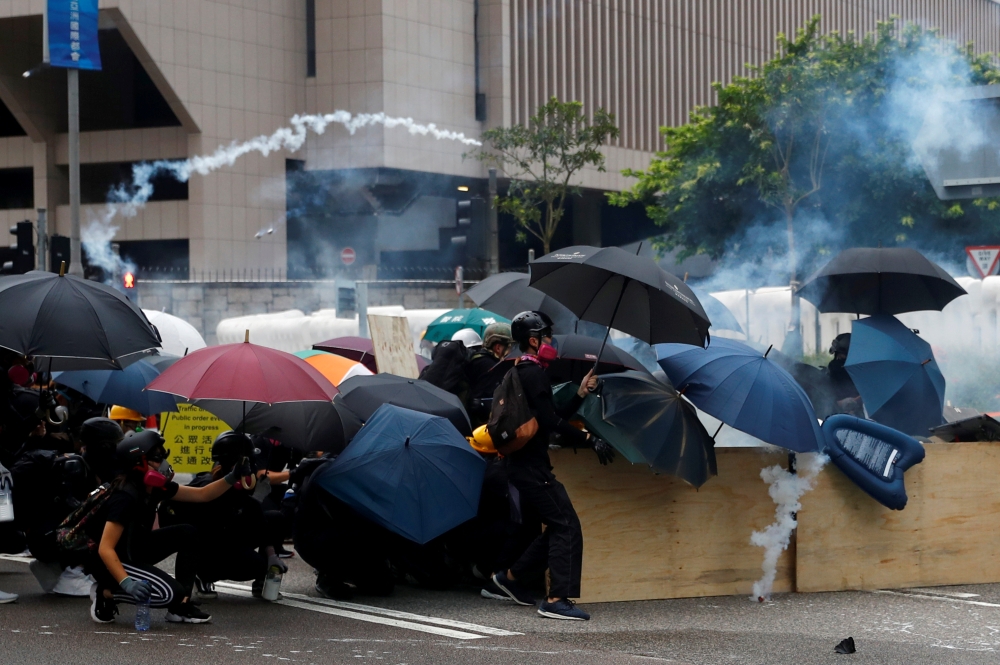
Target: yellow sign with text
[[189, 434]]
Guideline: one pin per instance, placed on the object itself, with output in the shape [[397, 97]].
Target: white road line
[[950, 594], [372, 609], [942, 599], [385, 621]]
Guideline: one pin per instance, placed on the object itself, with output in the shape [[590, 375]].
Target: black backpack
[[511, 424]]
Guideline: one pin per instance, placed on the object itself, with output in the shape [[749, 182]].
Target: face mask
[[154, 478], [546, 354]]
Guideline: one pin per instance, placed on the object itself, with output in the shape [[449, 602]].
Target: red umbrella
[[358, 349], [244, 372]]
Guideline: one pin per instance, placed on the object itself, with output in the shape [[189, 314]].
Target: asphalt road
[[417, 627]]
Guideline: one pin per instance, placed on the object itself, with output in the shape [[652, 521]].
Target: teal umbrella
[[449, 323], [591, 412]]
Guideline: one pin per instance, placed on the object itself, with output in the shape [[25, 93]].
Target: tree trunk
[[793, 344]]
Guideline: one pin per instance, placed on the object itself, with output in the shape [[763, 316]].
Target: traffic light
[[129, 281], [23, 247], [58, 252]]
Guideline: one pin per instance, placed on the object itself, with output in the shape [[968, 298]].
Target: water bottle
[[142, 615], [6, 496], [272, 584]]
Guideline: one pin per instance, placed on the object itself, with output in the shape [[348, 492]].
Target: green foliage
[[817, 133], [542, 159]]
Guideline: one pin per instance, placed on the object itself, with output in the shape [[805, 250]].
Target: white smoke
[[786, 490]]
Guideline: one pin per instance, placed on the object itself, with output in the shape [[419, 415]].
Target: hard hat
[[467, 336], [497, 333], [481, 441], [122, 413]]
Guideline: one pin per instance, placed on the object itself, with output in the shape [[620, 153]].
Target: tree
[[542, 160], [817, 141]]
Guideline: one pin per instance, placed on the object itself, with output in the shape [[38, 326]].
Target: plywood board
[[648, 536], [393, 345], [945, 535]]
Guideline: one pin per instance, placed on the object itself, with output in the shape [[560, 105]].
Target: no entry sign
[[347, 256], [983, 260]]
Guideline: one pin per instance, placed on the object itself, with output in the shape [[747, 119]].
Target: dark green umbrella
[[590, 412]]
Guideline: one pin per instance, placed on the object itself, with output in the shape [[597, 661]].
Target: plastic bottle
[[142, 613], [272, 584], [6, 496]]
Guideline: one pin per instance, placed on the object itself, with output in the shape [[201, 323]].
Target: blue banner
[[73, 34]]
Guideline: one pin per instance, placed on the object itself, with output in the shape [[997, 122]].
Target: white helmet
[[469, 337]]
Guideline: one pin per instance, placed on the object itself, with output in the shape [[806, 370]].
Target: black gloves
[[605, 453]]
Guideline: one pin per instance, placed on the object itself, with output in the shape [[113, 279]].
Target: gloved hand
[[605, 453], [275, 560], [133, 587]]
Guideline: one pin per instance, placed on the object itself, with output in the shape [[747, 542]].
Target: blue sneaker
[[563, 609], [513, 589]]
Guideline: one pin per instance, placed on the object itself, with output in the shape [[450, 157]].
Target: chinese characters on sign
[[73, 34], [189, 435]]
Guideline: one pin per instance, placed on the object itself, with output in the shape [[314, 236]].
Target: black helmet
[[100, 433], [841, 344], [529, 324], [230, 447], [138, 445]]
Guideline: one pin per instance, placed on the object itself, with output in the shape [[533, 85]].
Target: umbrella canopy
[[365, 394], [449, 323], [591, 412], [244, 372], [360, 349], [305, 426], [410, 472], [720, 315], [887, 280], [896, 375], [177, 335], [335, 368], [741, 387], [162, 361], [66, 323], [601, 284], [124, 387], [508, 294]]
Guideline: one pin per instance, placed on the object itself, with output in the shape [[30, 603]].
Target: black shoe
[[513, 589], [283, 553], [102, 610], [563, 608], [204, 590], [333, 589], [187, 613]]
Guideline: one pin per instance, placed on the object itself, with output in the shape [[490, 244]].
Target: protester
[[447, 368], [529, 471], [128, 419], [480, 374], [846, 396], [128, 547], [470, 338]]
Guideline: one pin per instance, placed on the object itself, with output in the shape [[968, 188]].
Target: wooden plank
[[945, 535], [393, 345], [648, 536]]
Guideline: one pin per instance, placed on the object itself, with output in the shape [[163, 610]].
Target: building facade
[[183, 77]]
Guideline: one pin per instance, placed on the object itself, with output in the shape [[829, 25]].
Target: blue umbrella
[[124, 387], [896, 375], [741, 387], [411, 472]]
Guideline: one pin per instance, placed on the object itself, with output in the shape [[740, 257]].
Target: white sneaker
[[46, 574], [7, 597], [73, 582]]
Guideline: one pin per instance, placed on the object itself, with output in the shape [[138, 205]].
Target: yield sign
[[984, 259]]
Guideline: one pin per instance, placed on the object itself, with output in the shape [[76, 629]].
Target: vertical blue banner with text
[[73, 34]]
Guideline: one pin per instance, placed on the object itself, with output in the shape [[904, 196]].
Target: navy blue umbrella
[[896, 375], [411, 472], [741, 387], [124, 387]]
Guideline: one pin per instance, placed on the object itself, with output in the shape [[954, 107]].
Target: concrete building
[[183, 77]]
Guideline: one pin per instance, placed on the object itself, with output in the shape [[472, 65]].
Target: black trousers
[[223, 561], [561, 545]]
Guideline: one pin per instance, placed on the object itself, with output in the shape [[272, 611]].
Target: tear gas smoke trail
[[786, 489], [129, 199]]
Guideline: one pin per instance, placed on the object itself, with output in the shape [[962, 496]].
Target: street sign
[[73, 34], [459, 280], [983, 260], [347, 256], [189, 434]]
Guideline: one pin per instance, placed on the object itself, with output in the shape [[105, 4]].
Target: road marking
[[943, 599], [388, 618], [951, 594]]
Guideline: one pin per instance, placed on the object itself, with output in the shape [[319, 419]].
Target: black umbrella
[[720, 315], [68, 323], [305, 426], [365, 394], [508, 294], [577, 355], [887, 280], [630, 293]]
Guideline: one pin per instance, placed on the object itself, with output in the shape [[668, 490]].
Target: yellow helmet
[[481, 441], [122, 413]]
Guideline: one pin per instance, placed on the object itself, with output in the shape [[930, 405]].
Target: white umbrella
[[177, 335]]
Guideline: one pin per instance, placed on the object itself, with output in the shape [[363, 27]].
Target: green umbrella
[[449, 323], [591, 412]]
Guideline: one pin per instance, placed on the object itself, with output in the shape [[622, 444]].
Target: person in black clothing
[[128, 548], [482, 381], [530, 474]]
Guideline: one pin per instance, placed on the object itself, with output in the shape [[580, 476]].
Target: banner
[[189, 434], [73, 34]]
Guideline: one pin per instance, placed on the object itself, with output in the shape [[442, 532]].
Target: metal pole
[[43, 241], [362, 297], [491, 218], [73, 96]]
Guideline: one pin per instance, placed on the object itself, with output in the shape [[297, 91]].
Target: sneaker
[[563, 609], [333, 589], [493, 592], [187, 613], [283, 553], [73, 582], [7, 597], [102, 610], [204, 590], [513, 589]]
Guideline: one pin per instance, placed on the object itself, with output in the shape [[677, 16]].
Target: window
[[17, 188]]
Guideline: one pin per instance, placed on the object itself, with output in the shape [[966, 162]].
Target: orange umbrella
[[333, 367]]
